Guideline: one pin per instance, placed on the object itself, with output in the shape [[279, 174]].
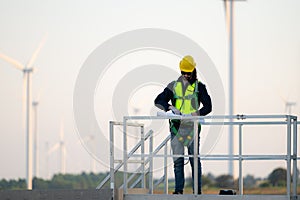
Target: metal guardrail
[[237, 120], [114, 169]]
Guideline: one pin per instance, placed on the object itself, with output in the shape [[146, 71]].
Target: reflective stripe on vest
[[184, 102]]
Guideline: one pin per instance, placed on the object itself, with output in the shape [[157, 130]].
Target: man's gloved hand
[[195, 113], [174, 110]]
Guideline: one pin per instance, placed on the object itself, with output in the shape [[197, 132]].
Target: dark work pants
[[178, 149]]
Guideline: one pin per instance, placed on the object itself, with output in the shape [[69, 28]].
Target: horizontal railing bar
[[225, 157], [268, 116], [128, 124], [238, 117], [245, 123], [129, 161], [249, 158]]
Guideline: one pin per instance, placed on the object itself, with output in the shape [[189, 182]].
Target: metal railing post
[[151, 165], [241, 189], [288, 170], [166, 185], [295, 171], [143, 157], [112, 166], [125, 185], [196, 156]]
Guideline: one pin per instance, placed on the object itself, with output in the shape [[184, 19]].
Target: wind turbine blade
[[53, 148], [83, 140], [14, 62], [36, 52], [283, 98]]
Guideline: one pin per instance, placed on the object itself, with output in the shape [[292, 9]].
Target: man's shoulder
[[201, 86], [171, 85], [200, 83], [173, 82]]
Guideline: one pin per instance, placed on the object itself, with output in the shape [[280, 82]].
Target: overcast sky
[[267, 60]]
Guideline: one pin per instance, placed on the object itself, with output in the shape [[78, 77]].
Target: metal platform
[[146, 156], [206, 197], [92, 194], [105, 194]]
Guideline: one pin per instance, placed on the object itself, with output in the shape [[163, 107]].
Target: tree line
[[91, 180]]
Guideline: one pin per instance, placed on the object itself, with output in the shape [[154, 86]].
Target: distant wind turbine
[[93, 161], [288, 105], [62, 148], [36, 141], [228, 5], [229, 21], [90, 139], [27, 70]]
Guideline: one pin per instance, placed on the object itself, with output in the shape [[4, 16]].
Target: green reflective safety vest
[[183, 102], [183, 99]]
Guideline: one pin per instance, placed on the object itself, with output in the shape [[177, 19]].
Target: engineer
[[184, 96]]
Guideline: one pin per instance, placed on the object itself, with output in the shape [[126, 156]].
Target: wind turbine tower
[[229, 20], [36, 140], [62, 150], [93, 161]]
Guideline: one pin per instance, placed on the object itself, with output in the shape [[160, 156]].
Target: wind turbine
[[62, 150], [288, 106], [228, 5], [93, 161], [61, 146], [47, 159], [229, 20], [36, 139], [90, 139], [27, 70]]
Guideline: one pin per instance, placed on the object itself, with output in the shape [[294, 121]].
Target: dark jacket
[[162, 100]]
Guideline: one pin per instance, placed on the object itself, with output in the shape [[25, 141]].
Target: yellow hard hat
[[187, 64]]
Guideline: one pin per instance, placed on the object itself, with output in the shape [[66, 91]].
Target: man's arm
[[162, 100], [205, 100]]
